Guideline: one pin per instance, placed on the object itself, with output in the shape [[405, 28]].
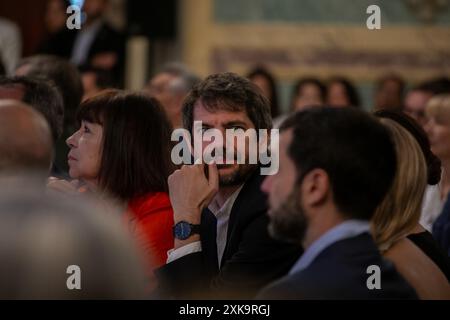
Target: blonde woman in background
[[438, 130], [398, 217]]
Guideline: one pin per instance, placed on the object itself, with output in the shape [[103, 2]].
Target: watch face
[[182, 230]]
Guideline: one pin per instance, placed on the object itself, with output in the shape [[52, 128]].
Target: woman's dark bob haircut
[[136, 143]]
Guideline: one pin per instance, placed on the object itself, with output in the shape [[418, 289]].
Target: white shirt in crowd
[[432, 206]]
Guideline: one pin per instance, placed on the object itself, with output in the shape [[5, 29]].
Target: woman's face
[[438, 132], [264, 85], [337, 96], [55, 16], [85, 152], [309, 95]]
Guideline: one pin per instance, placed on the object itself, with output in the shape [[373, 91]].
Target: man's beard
[[288, 222], [238, 176]]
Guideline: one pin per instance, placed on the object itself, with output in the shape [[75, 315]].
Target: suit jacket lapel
[[250, 201], [208, 231]]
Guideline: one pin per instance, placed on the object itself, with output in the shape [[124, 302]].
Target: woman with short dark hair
[[122, 151], [342, 93], [308, 92], [262, 78]]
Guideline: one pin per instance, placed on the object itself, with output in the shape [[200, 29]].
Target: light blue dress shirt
[[347, 229]]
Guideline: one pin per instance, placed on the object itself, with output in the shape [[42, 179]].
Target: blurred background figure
[[417, 98], [266, 82], [57, 38], [95, 80], [308, 92], [67, 80], [55, 15], [395, 224], [342, 93], [64, 76], [44, 97], [415, 102], [96, 43], [438, 130], [389, 91], [10, 45], [439, 85], [26, 144], [170, 86], [43, 234]]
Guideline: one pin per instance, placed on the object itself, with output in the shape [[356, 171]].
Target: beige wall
[[292, 50]]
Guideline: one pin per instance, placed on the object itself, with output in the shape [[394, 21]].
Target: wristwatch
[[183, 230]]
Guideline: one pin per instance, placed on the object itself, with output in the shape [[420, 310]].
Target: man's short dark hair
[[355, 150], [64, 75], [391, 77], [228, 91], [435, 86], [43, 96]]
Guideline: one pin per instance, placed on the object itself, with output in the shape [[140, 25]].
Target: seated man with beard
[[222, 246], [323, 198]]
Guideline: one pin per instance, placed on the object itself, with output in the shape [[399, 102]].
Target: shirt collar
[[227, 206], [347, 229]]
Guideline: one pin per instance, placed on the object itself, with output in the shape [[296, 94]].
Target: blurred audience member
[[440, 85], [170, 86], [58, 39], [308, 92], [63, 74], [266, 82], [323, 199], [25, 140], [395, 224], [96, 43], [42, 96], [68, 81], [95, 80], [54, 247], [55, 15], [438, 130], [10, 45], [417, 98], [389, 92], [432, 203], [342, 93], [122, 150], [415, 102]]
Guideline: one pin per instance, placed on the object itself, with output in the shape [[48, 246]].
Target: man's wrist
[[190, 216]]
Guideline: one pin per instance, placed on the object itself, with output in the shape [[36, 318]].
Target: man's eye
[[86, 129], [234, 128]]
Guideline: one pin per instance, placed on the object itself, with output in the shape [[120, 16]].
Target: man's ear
[[315, 187]]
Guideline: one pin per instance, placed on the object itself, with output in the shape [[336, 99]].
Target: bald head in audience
[[25, 139]]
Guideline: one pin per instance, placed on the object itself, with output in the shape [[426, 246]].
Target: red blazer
[[153, 218]]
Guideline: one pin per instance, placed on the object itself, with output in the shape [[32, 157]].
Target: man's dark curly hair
[[228, 91]]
